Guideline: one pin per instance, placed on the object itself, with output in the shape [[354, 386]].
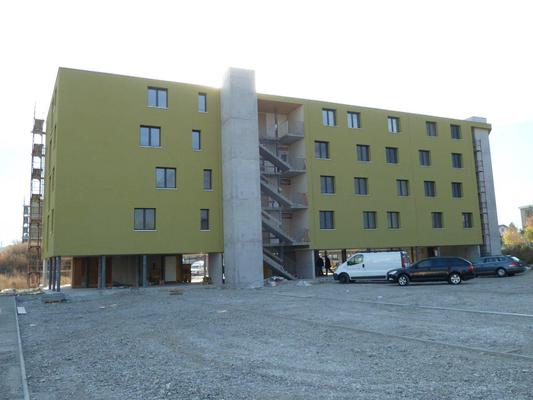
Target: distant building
[[525, 213], [502, 229]]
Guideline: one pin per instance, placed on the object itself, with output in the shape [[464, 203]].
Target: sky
[[447, 58]]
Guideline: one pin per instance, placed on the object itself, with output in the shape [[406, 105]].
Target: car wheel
[[454, 278], [344, 278], [403, 280], [501, 272]]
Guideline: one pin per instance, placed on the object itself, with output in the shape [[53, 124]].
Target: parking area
[[291, 341]]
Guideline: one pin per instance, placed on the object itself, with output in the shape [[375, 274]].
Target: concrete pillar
[[54, 272], [58, 274], [101, 273], [49, 271], [489, 216], [305, 264], [144, 270], [214, 265], [241, 195], [343, 255]]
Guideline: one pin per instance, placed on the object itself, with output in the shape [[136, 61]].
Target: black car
[[498, 265], [454, 270]]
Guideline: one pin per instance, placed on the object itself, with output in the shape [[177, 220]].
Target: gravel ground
[[326, 341]]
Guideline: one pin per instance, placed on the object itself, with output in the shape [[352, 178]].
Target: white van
[[370, 265]]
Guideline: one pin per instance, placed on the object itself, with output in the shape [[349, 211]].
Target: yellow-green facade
[[96, 172]]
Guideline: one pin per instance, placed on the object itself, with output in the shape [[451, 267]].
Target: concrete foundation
[[243, 258]]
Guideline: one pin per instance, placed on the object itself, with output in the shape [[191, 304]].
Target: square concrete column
[[243, 247], [144, 271], [305, 264], [214, 265], [58, 273]]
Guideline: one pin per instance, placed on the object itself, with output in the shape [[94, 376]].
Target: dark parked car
[[498, 265], [451, 269]]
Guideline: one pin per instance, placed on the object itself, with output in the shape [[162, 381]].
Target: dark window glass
[[457, 160], [457, 189], [361, 185], [369, 220], [431, 128], [322, 150], [467, 220], [393, 219], [157, 97], [150, 136], [208, 184], [326, 220], [363, 152], [204, 219], [425, 158], [144, 219], [402, 187], [429, 188], [436, 218], [392, 155], [455, 131], [327, 184]]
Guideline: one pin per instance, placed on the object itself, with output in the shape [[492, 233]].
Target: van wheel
[[454, 278], [344, 278], [403, 280], [501, 272]]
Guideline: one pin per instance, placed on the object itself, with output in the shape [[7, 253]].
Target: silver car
[[498, 265]]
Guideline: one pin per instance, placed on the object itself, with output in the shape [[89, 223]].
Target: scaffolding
[[482, 191], [25, 222], [36, 204]]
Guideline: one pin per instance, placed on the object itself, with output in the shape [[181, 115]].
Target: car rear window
[[515, 259]]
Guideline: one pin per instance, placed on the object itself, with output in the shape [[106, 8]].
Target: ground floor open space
[[290, 341]]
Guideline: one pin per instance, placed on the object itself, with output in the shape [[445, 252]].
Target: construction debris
[[53, 297], [175, 291]]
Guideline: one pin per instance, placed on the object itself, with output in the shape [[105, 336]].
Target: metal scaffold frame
[[36, 203]]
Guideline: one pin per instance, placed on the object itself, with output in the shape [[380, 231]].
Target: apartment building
[[140, 172]]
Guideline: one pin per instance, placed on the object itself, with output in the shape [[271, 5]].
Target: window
[[144, 219], [457, 160], [165, 178], [393, 219], [322, 150], [425, 158], [391, 155], [457, 189], [467, 220], [327, 184], [431, 128], [402, 187], [361, 185], [196, 140], [328, 117], [354, 121], [369, 220], [394, 124], [204, 219], [363, 152], [429, 188], [326, 220], [436, 218], [455, 131], [202, 102], [157, 97], [208, 179], [150, 136]]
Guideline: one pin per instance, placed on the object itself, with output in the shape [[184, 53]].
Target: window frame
[[165, 170], [392, 152], [400, 186], [150, 128], [350, 119], [468, 223], [203, 96], [157, 90], [459, 193], [357, 186], [318, 145], [329, 115], [358, 150], [393, 124], [199, 137], [393, 220], [423, 159], [209, 177], [431, 129], [325, 217], [437, 221], [370, 220], [204, 219], [455, 131], [327, 184], [457, 160], [430, 185], [144, 219]]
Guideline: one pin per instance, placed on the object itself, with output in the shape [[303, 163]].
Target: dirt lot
[[326, 341]]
